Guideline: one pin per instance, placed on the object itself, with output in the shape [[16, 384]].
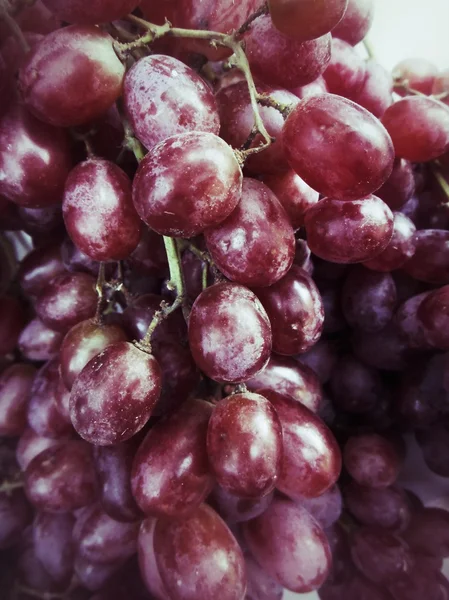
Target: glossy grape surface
[[356, 21], [15, 386], [39, 342], [371, 460], [306, 20]]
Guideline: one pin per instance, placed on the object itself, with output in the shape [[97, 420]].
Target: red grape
[[139, 314], [371, 460], [295, 310], [434, 445], [376, 93], [316, 87], [199, 557], [430, 262], [321, 358], [114, 395], [94, 576], [346, 72], [349, 232], [400, 248], [311, 461], [433, 313], [39, 342], [15, 387], [229, 333], [419, 128], [280, 60], [161, 84], [147, 560], [260, 585], [98, 211], [38, 268], [72, 76], [410, 326], [170, 475], [356, 21], [149, 257], [244, 445], [399, 187], [306, 20], [34, 159], [276, 539], [417, 74], [255, 245], [96, 11], [235, 509], [176, 205], [328, 139], [30, 445]]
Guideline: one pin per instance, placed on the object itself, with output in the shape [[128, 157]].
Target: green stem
[[263, 10], [99, 288], [444, 185]]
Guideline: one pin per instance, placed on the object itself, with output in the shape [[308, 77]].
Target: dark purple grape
[[53, 544], [399, 187], [433, 313], [34, 159], [94, 576], [98, 211], [221, 347], [420, 583], [15, 386], [276, 540], [244, 445], [288, 377], [372, 460], [149, 257], [311, 461], [15, 515], [171, 475], [400, 248], [326, 509], [61, 478], [428, 532], [419, 128], [38, 342], [321, 358], [356, 21], [346, 72], [368, 299], [434, 445], [386, 508], [295, 310], [74, 11], [38, 268], [260, 585], [101, 539], [210, 563], [12, 320], [114, 395], [30, 445], [328, 139], [380, 555], [84, 341], [79, 55], [179, 206], [384, 349], [280, 60], [430, 262], [306, 20], [76, 261], [235, 509], [67, 300], [409, 325], [349, 232], [186, 100], [147, 560]]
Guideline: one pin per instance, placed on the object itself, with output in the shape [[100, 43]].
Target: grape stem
[[9, 486], [262, 10], [266, 100], [444, 185], [99, 288]]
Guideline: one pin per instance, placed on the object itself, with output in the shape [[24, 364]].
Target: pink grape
[[306, 20], [417, 74], [356, 21], [15, 387]]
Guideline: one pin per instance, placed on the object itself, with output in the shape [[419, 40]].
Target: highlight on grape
[[224, 303]]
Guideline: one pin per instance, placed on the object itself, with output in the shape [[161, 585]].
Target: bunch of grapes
[[229, 322]]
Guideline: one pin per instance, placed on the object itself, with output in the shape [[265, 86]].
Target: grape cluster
[[224, 303]]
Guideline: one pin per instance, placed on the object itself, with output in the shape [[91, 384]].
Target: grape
[[349, 232], [316, 87], [30, 445], [419, 583], [76, 261], [321, 358], [376, 93], [15, 515], [380, 555], [303, 256], [371, 460], [174, 205], [236, 509], [260, 585], [356, 388], [15, 387], [276, 540], [282, 61], [386, 508], [161, 84], [306, 20], [334, 320], [327, 140], [295, 310], [356, 21], [72, 76], [428, 532], [67, 300], [237, 121], [346, 72], [434, 445], [53, 544], [410, 326], [98, 11], [430, 261], [147, 560], [311, 461], [368, 299], [192, 267], [62, 398], [244, 445], [84, 341], [417, 74], [400, 186], [98, 210], [400, 248], [433, 314], [210, 564], [289, 378], [93, 576], [255, 245], [34, 159], [229, 333], [149, 256], [326, 509], [103, 540], [293, 193], [113, 466], [43, 413], [38, 268], [113, 396], [170, 475], [61, 478], [419, 128]]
